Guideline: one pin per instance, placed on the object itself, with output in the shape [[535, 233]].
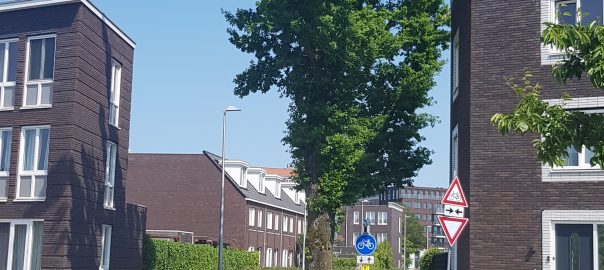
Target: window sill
[[36, 107], [29, 200], [567, 170], [109, 208], [3, 200], [3, 109], [115, 126]]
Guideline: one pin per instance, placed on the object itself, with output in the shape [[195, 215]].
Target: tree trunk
[[318, 241]]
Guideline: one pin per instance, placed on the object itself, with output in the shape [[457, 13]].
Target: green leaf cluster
[[383, 256], [426, 260], [165, 255], [356, 72], [583, 49]]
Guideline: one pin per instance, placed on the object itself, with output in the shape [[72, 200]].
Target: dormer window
[[243, 178], [261, 183], [278, 189], [297, 197]]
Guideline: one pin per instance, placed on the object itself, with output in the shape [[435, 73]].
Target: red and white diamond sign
[[455, 194], [452, 227]]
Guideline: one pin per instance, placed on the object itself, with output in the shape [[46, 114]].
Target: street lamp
[[221, 233], [361, 216], [405, 244], [427, 237]]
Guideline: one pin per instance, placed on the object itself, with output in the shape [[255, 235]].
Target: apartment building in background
[[385, 224], [423, 203], [65, 91], [262, 213], [523, 214]]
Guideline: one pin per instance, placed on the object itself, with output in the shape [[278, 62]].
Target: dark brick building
[[65, 88], [386, 224], [523, 215], [182, 192]]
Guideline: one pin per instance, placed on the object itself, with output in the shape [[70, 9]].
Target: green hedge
[[164, 255]]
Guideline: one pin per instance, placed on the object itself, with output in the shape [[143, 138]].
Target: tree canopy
[[583, 50]]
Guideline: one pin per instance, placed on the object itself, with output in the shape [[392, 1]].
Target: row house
[[65, 91], [263, 211]]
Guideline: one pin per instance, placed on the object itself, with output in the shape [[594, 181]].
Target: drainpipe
[[265, 232]]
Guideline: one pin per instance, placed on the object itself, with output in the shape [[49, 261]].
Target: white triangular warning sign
[[452, 227], [455, 195]]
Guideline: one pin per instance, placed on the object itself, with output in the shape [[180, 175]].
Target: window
[[566, 11], [579, 159], [105, 247], [455, 65], [285, 219], [291, 224], [299, 226], [20, 244], [40, 71], [454, 150], [277, 222], [355, 235], [8, 73], [382, 218], [284, 257], [408, 204], [399, 225], [34, 163], [429, 205], [278, 189], [261, 183], [269, 220], [259, 223], [252, 216], [418, 216], [110, 162], [114, 98], [5, 147], [355, 217], [269, 257], [370, 216], [381, 237]]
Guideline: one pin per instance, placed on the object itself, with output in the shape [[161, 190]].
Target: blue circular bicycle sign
[[365, 244]]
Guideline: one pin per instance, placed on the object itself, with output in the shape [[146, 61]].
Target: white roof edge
[[395, 206], [275, 206], [27, 4]]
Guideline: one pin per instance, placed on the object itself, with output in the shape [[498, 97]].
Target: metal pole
[[405, 245], [304, 240], [427, 237], [221, 233], [361, 220]]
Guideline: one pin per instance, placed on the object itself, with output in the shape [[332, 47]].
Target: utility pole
[[405, 244]]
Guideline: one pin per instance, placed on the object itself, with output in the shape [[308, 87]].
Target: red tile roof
[[286, 172]]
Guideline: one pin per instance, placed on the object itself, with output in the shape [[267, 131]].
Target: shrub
[[344, 263], [425, 263], [383, 256], [165, 255]]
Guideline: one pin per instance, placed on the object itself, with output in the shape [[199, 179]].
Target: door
[[574, 247]]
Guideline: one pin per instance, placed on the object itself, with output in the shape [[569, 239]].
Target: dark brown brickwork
[[501, 173], [73, 211]]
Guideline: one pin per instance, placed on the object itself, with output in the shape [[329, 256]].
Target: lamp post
[[427, 237], [361, 216], [221, 230], [405, 244], [304, 238]]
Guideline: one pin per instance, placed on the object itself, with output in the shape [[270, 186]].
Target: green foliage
[[425, 263], [415, 233], [356, 72], [344, 263], [164, 255], [383, 256], [583, 50]]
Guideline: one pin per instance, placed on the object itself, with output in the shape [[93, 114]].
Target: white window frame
[[285, 220], [268, 257], [28, 240], [454, 152], [251, 216], [259, 223], [455, 67], [261, 184], [115, 93], [356, 217], [4, 68], [269, 220], [299, 226], [382, 218], [291, 224], [110, 172], [277, 220], [39, 83], [5, 174], [35, 173], [355, 235], [552, 217], [371, 216], [105, 247]]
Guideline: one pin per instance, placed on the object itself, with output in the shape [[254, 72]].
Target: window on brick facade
[[277, 220], [370, 216], [110, 169], [269, 220], [8, 73], [454, 152], [285, 223], [251, 216], [114, 98], [40, 71], [105, 248], [291, 225], [259, 223], [5, 149], [33, 168], [568, 11], [455, 66], [355, 217], [382, 218], [20, 244]]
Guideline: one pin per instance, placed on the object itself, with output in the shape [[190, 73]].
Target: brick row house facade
[[263, 212], [65, 89], [523, 214]]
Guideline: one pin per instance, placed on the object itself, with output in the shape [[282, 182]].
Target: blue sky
[[183, 72]]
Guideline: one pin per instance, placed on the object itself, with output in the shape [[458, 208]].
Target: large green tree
[[583, 49], [356, 72]]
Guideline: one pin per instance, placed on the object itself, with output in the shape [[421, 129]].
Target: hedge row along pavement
[[164, 255]]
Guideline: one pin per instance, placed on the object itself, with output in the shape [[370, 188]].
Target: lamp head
[[231, 108]]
